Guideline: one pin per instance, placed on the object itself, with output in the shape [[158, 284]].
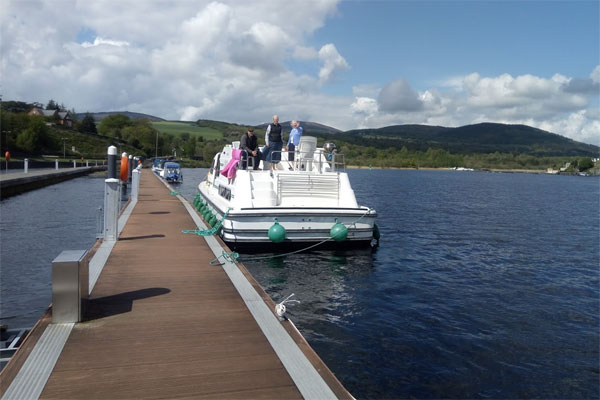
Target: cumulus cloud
[[333, 62], [559, 104], [305, 53], [203, 59], [399, 96], [234, 60], [595, 75], [98, 41]]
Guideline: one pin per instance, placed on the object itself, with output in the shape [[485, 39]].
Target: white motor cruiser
[[304, 202]]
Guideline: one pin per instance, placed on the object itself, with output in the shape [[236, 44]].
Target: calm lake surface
[[485, 285]]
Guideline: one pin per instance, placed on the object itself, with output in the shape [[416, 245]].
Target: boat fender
[[376, 233], [212, 220], [338, 232], [124, 167], [276, 232]]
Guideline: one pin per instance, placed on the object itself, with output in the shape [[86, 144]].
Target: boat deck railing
[[318, 161]]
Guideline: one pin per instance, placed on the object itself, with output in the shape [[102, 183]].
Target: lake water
[[485, 285]]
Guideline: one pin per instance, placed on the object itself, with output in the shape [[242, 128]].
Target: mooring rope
[[211, 231]]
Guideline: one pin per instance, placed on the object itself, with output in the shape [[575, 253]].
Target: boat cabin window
[[225, 192]]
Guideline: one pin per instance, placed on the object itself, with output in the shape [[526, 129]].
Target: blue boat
[[171, 172], [157, 166]]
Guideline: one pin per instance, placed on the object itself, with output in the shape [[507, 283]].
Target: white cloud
[[98, 41], [305, 53], [234, 60], [595, 75], [564, 105], [398, 96], [364, 105], [333, 62], [221, 59]]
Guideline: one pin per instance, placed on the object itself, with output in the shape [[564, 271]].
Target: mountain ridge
[[485, 137]]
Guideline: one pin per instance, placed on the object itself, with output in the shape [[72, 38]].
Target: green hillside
[[177, 128], [480, 138], [485, 145], [99, 116]]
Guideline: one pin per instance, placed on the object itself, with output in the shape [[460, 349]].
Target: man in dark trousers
[[249, 144]]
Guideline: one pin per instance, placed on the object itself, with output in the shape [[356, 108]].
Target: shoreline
[[523, 171]]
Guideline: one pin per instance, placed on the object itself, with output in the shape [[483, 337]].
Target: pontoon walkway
[[163, 323]]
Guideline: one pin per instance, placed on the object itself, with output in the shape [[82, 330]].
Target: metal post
[[26, 165], [112, 162], [99, 223], [55, 164], [333, 160], [87, 164], [74, 164], [135, 184], [70, 282], [111, 209], [130, 169]]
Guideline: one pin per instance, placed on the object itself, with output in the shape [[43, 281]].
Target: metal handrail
[[249, 165]]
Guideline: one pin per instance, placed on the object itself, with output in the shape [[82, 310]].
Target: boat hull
[[248, 229]]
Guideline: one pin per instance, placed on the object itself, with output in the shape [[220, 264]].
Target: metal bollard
[[87, 164], [74, 164], [26, 165], [135, 184], [70, 282], [111, 209], [130, 168], [55, 164], [112, 162]]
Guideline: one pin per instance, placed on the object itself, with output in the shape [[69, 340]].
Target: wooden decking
[[163, 323]]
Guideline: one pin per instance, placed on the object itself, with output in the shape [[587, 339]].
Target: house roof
[[49, 113]]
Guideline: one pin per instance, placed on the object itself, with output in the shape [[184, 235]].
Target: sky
[[348, 64]]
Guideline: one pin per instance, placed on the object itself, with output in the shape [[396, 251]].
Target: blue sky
[[428, 41], [347, 64]]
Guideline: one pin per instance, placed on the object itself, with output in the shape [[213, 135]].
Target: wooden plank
[[161, 322]]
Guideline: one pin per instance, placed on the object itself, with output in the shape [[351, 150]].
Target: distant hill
[[99, 116], [309, 128], [478, 138]]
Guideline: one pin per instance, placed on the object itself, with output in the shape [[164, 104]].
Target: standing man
[[249, 144], [274, 141], [293, 142]]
